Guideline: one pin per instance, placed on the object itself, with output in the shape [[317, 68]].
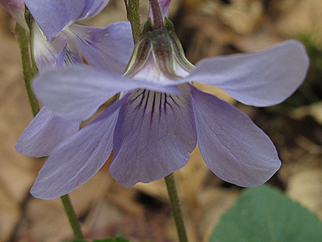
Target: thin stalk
[[176, 208], [72, 216], [133, 15], [157, 15], [29, 72], [27, 69]]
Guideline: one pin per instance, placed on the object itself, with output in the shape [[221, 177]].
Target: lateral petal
[[78, 158], [44, 133], [233, 147], [260, 79], [76, 92]]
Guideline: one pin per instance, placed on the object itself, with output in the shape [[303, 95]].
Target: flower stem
[[133, 15], [72, 216], [29, 72], [27, 69], [157, 15], [176, 208]]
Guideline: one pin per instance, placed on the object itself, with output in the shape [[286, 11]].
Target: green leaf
[[266, 215]]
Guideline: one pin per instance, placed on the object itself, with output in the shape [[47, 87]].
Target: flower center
[[158, 56]]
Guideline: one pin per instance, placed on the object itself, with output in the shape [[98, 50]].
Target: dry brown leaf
[[305, 17], [306, 188]]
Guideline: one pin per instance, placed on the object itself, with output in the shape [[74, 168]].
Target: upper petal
[[78, 158], [154, 135], [233, 147], [16, 8], [260, 79], [54, 16], [44, 133], [107, 49], [47, 54], [76, 92]]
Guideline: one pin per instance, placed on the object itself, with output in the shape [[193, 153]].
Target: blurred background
[[143, 213]]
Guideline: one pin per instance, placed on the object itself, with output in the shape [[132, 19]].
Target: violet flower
[[160, 116], [109, 49]]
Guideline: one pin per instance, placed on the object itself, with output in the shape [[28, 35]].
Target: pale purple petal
[[76, 92], [106, 49], [78, 158], [260, 79], [164, 7], [54, 16], [154, 135], [233, 147], [44, 133], [16, 8], [46, 54]]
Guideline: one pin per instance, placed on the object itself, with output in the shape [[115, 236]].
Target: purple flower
[[160, 115], [109, 49], [16, 8]]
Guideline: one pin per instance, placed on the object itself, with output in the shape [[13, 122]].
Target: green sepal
[[178, 49]]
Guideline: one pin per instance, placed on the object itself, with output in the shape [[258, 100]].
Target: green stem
[[29, 72], [176, 208], [27, 69], [133, 14], [157, 15], [72, 216]]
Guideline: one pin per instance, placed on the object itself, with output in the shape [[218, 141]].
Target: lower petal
[[233, 147], [78, 158], [44, 133], [154, 135]]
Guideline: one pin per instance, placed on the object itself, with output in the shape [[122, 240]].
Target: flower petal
[[233, 147], [154, 135], [76, 92], [78, 158], [44, 133], [54, 16], [260, 79], [16, 8], [107, 49], [46, 54]]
